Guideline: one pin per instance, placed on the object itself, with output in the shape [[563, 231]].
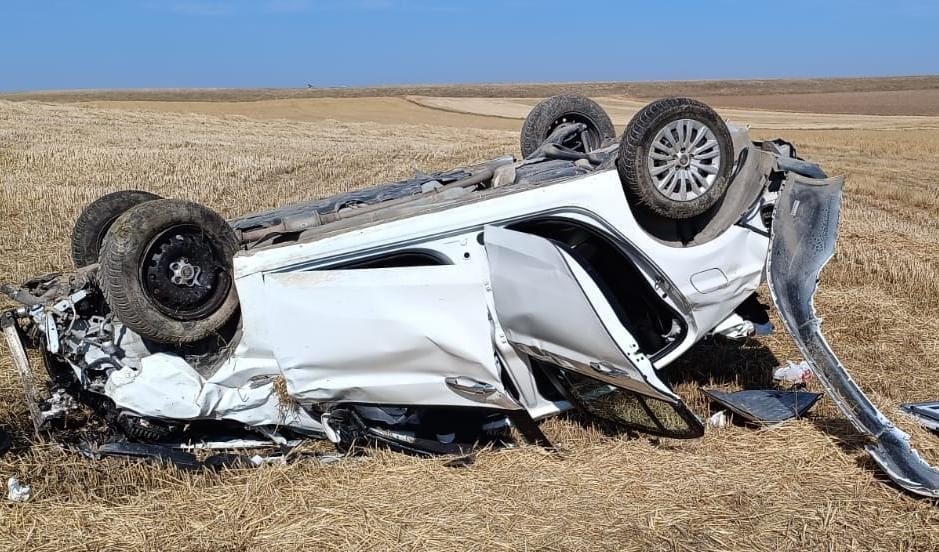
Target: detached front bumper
[[805, 227]]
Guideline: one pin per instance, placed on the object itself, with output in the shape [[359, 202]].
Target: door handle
[[471, 386]]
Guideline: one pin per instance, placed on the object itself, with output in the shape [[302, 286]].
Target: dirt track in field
[[454, 107], [807, 485]]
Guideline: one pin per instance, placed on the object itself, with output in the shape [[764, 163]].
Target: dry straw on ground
[[806, 485]]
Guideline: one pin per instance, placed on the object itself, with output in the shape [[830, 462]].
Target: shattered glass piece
[[766, 406]]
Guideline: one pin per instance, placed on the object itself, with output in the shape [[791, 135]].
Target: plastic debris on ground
[[17, 492], [793, 373], [718, 419]]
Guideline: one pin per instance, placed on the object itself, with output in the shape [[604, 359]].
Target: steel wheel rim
[[179, 300], [684, 160]]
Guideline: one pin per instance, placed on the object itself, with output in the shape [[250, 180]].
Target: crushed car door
[[551, 310], [418, 336]]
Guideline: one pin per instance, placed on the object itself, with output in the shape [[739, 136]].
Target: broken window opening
[[622, 407]]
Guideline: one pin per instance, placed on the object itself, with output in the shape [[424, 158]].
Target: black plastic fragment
[[158, 453], [229, 460], [765, 406]]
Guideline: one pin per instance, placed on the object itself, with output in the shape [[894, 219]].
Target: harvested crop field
[[806, 485]]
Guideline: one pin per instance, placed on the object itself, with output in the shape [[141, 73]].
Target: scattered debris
[[793, 373], [57, 406], [926, 413], [765, 406], [805, 223], [5, 442], [170, 453], [17, 492]]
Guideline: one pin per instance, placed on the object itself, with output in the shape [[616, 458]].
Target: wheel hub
[[684, 160], [185, 274]]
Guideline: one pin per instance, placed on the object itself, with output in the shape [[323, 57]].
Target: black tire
[[141, 260], [634, 166], [95, 220], [551, 112]]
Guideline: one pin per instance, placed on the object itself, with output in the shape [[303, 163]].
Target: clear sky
[[58, 44]]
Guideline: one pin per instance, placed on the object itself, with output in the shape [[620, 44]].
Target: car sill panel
[[805, 225]]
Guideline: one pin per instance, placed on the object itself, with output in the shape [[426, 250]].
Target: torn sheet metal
[[765, 406], [167, 387], [416, 335], [805, 225], [549, 312], [926, 413], [21, 363]]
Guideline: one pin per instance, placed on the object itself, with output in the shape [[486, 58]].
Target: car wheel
[[95, 220], [166, 271], [676, 158], [568, 108]]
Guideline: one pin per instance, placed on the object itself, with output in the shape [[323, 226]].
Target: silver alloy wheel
[[684, 159]]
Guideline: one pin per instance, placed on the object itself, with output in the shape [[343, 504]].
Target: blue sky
[[59, 44]]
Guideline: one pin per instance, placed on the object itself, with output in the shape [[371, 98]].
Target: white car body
[[428, 335]]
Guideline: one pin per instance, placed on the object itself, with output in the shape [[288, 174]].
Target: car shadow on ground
[[725, 363]]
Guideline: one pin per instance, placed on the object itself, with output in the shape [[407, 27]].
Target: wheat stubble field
[[805, 485]]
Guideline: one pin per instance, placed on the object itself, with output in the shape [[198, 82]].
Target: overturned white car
[[431, 314]]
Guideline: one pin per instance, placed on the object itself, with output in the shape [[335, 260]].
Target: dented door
[[392, 336]]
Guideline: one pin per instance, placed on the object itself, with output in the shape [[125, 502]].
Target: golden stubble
[[805, 485]]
